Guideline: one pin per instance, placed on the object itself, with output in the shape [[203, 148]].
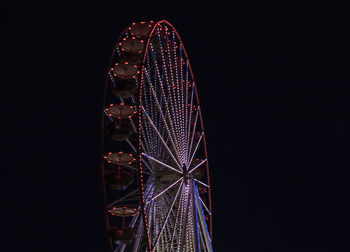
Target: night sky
[[273, 82]]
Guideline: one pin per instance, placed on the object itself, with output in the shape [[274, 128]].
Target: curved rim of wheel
[[196, 94], [169, 144]]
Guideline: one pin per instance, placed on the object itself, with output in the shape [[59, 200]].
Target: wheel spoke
[[205, 160], [135, 169], [204, 205], [131, 145], [194, 129], [161, 163], [183, 225], [161, 138], [161, 113], [173, 184], [123, 198], [195, 149], [200, 182], [166, 219], [189, 119], [203, 225], [167, 101]]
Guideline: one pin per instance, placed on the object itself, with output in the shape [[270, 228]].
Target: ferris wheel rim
[[200, 117], [141, 173]]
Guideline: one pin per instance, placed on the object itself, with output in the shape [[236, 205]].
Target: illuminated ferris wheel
[[155, 168]]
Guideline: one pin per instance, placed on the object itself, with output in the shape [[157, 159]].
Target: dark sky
[[273, 81]]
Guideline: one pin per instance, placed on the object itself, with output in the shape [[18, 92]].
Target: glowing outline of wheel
[[141, 118]]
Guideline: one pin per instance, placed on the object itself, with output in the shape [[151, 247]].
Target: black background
[[273, 81]]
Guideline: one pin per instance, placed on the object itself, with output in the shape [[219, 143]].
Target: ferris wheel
[[155, 166]]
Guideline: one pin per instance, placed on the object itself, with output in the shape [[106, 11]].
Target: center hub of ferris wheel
[[186, 175]]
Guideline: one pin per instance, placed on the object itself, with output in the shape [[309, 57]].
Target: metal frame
[[172, 214]]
